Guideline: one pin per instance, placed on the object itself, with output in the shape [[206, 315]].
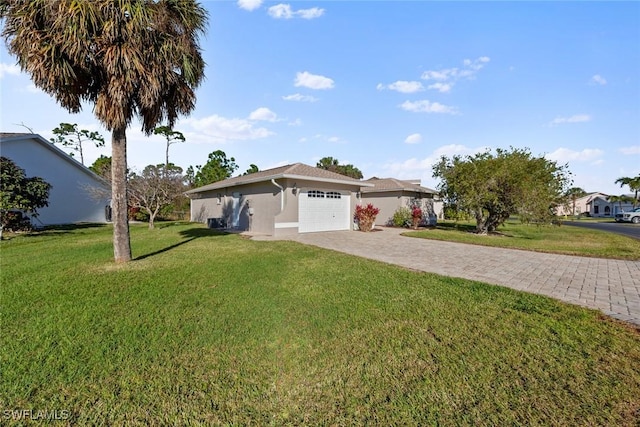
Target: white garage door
[[323, 211]]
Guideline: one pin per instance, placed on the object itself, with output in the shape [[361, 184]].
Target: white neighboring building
[[77, 194]]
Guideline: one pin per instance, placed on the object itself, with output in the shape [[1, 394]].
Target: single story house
[[77, 194], [286, 200], [598, 205], [390, 194], [581, 205]]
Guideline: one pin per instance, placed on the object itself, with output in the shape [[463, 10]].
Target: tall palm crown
[[127, 57]]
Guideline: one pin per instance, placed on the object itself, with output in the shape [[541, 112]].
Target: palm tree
[[129, 58], [633, 184], [573, 194], [620, 200]]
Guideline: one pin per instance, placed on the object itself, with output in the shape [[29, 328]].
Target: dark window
[[316, 194], [333, 195], [607, 210], [596, 209]]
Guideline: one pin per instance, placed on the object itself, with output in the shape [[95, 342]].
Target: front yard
[[205, 328], [541, 238]]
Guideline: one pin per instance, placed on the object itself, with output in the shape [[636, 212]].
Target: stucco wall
[[75, 196], [265, 199], [390, 201], [262, 198]]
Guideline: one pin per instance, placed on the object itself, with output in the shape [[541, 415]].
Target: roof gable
[[17, 137], [293, 171], [393, 184]]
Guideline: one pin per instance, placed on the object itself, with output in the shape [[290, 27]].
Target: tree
[[217, 168], [620, 200], [633, 184], [129, 58], [333, 165], [171, 136], [102, 167], [493, 187], [155, 188], [19, 193], [572, 195], [252, 169], [70, 136]]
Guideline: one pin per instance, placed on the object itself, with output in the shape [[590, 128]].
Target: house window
[[607, 210], [596, 209], [333, 195], [316, 194], [219, 197]]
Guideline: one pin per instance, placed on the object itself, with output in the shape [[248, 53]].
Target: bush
[[416, 216], [402, 217], [366, 216], [15, 221]]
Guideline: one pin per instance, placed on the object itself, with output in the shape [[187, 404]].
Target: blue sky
[[391, 86]]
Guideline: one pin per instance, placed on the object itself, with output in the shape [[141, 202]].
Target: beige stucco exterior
[[268, 206], [390, 201]]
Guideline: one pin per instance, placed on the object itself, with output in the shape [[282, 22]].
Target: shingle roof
[[12, 134], [294, 171], [392, 184]]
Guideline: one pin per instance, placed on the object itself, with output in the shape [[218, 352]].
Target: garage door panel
[[323, 211]]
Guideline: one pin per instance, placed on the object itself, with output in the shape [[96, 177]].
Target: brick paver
[[612, 286]]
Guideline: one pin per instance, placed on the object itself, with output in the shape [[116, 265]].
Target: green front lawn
[[563, 239], [206, 329]]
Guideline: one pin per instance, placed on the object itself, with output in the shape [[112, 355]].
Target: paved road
[[612, 286], [624, 228]]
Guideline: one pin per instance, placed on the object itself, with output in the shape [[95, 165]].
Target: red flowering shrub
[[416, 215], [416, 212], [366, 216]]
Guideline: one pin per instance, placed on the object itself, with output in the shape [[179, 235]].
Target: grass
[[564, 239], [209, 329]]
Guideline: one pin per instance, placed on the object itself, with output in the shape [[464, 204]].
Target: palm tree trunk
[[119, 199]]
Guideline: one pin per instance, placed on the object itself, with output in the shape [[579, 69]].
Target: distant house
[[582, 205], [77, 194], [287, 200], [599, 206], [390, 194]]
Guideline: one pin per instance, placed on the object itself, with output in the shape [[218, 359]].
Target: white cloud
[[426, 106], [333, 139], [249, 4], [300, 98], [414, 138], [440, 75], [218, 129], [281, 11], [296, 122], [634, 149], [447, 77], [11, 69], [577, 118], [263, 113], [598, 79], [564, 155], [402, 86], [441, 87], [313, 81], [284, 11], [312, 13]]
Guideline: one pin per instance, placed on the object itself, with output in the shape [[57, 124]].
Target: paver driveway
[[612, 286]]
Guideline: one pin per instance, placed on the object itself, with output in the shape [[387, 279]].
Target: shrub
[[366, 216], [416, 216], [402, 217]]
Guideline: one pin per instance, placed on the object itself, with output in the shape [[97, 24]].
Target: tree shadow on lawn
[[468, 228], [52, 230], [189, 234]]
